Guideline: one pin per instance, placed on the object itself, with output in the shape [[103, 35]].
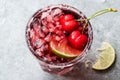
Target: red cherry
[[62, 19], [81, 41], [69, 25], [74, 35], [66, 17], [77, 40], [68, 22]]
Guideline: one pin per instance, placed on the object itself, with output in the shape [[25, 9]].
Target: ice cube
[[45, 30], [50, 25], [56, 18], [33, 40], [32, 33], [46, 46], [56, 12], [59, 27], [57, 23], [47, 38], [57, 38], [50, 18], [58, 32], [42, 48], [38, 43], [35, 25], [44, 15], [38, 52], [62, 36], [41, 34], [44, 22], [37, 29]]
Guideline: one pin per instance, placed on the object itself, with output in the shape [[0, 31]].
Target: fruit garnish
[[66, 17], [77, 40], [102, 12], [95, 15], [68, 22], [63, 50], [106, 57]]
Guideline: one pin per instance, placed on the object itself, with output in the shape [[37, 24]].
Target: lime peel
[[61, 49], [106, 57]]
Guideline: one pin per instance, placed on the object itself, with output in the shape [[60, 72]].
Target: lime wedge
[[63, 50], [106, 57]]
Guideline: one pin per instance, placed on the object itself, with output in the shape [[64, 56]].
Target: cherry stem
[[95, 15], [102, 12]]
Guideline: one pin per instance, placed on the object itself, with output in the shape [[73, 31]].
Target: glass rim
[[75, 60]]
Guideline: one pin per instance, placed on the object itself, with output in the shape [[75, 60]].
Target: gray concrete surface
[[16, 61]]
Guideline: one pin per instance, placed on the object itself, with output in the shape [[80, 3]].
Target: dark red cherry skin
[[66, 17], [81, 42], [68, 22], [77, 40], [69, 25], [73, 35]]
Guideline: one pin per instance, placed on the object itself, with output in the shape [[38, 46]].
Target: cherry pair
[[76, 39]]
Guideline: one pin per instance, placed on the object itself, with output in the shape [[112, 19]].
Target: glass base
[[58, 71]]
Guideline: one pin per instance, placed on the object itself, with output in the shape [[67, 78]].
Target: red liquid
[[45, 26]]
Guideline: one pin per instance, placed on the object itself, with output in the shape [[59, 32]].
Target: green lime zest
[[63, 50], [106, 58]]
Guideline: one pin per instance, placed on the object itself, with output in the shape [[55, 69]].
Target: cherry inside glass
[[43, 26]]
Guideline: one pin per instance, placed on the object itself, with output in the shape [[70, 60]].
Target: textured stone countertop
[[16, 62]]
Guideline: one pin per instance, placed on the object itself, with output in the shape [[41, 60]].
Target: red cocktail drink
[[54, 30]]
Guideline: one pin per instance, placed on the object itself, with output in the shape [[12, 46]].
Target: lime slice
[[106, 57], [63, 50]]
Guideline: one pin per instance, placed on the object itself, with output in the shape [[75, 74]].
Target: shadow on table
[[80, 72]]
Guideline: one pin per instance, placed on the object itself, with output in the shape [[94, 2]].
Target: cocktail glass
[[38, 22]]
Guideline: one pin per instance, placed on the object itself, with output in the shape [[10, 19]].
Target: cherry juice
[[44, 26]]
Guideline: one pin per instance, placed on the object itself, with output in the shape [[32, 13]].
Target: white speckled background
[[16, 61]]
